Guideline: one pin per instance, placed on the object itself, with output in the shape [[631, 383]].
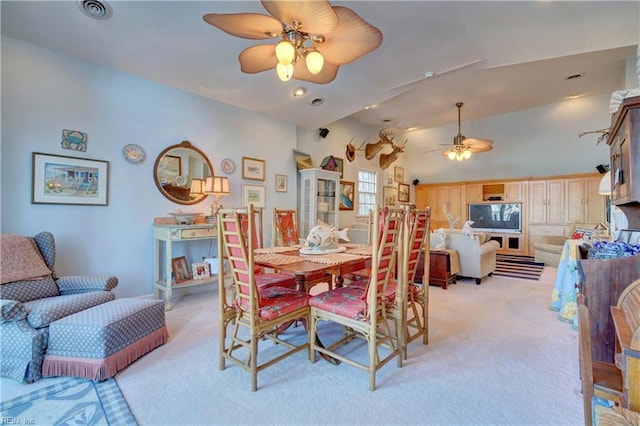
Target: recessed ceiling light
[[94, 8], [299, 91], [317, 102], [575, 95], [574, 76], [429, 74]]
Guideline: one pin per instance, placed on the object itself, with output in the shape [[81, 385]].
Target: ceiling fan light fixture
[[314, 61], [451, 155], [285, 52], [466, 154], [285, 72]]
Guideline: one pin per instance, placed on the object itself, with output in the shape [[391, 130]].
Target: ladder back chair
[[408, 302], [362, 312], [285, 234], [258, 311], [600, 379]]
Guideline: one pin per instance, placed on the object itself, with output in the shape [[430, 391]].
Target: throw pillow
[[12, 310], [20, 259], [616, 416]]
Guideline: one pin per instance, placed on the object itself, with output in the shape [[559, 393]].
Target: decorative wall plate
[[133, 153], [227, 166]]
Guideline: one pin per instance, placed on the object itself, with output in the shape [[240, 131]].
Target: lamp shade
[[605, 184], [197, 187], [216, 185]]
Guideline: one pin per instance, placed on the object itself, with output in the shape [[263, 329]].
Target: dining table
[[345, 259], [301, 263]]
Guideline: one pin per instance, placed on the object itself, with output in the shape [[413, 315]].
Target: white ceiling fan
[[463, 147]]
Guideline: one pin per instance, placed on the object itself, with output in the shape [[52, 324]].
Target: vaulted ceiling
[[497, 57]]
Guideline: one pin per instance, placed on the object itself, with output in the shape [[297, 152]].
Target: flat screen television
[[496, 217]]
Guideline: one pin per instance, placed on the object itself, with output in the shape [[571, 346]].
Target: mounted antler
[[387, 159], [351, 150], [372, 149], [604, 134]]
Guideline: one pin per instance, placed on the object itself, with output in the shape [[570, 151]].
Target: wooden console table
[[166, 233]]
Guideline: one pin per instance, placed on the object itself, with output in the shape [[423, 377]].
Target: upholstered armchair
[[477, 255], [33, 296]]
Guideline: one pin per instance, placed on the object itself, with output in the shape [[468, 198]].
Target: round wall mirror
[[176, 167]]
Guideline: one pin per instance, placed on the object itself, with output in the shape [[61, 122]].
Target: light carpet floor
[[496, 356]]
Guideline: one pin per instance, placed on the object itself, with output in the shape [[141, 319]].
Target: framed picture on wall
[[398, 174], [253, 168], [403, 192], [281, 183], [254, 194], [390, 196], [347, 194], [58, 179]]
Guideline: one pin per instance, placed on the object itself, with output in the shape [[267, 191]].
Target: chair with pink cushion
[[406, 301], [362, 311], [285, 234], [261, 310]]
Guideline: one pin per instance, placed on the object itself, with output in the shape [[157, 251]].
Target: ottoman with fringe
[[98, 342]]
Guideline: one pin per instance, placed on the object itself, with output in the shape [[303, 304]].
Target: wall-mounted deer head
[[387, 159], [372, 149]]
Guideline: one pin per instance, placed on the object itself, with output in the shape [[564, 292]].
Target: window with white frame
[[366, 191]]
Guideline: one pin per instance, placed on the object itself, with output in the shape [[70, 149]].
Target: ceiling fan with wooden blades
[[463, 147], [315, 38]]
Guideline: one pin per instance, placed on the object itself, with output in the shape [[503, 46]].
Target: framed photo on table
[[58, 179], [181, 271], [254, 194], [253, 168]]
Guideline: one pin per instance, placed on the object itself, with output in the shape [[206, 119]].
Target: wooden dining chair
[[285, 228], [362, 312], [408, 301], [600, 379], [259, 310], [285, 233]]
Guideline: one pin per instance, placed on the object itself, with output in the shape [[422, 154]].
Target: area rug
[[70, 402], [521, 267]]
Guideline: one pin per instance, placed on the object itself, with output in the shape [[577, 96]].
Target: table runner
[[332, 259], [361, 251], [272, 250], [276, 259]]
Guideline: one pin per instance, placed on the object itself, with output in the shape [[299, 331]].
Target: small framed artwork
[[253, 168], [181, 272], [254, 194], [346, 195], [390, 196], [200, 270], [58, 179], [74, 139], [303, 160], [398, 174], [403, 192], [281, 183], [340, 164]]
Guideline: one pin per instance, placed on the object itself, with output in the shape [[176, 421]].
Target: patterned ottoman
[[98, 342]]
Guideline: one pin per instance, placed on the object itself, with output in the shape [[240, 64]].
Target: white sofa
[[477, 256]]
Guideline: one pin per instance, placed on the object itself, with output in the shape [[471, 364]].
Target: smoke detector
[[94, 8]]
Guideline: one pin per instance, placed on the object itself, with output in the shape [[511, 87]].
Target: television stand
[[510, 242]]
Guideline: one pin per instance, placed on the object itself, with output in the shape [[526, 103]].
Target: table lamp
[[216, 186]]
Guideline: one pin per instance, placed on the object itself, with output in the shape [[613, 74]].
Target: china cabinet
[[624, 142], [319, 199], [165, 235]]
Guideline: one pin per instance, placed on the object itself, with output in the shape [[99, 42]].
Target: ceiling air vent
[[94, 9]]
